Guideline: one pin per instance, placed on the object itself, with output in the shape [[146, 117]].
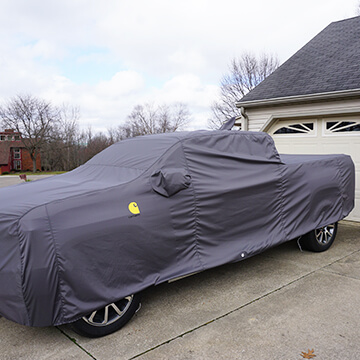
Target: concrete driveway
[[272, 306], [7, 180]]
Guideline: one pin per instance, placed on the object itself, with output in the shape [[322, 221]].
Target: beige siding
[[259, 117]]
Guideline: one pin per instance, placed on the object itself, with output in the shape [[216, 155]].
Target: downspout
[[246, 119]]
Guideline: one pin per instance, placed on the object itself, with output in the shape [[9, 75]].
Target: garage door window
[[296, 128], [342, 127]]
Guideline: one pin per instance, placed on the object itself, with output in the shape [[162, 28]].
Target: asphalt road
[[276, 305]]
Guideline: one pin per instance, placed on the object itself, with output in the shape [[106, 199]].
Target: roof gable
[[327, 63]]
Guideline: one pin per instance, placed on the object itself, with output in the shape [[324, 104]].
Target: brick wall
[[4, 168], [27, 164]]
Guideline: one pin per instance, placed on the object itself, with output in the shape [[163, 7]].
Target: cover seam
[[22, 271], [196, 210], [59, 271], [341, 187], [282, 201]]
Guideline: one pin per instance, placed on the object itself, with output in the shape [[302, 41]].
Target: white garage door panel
[[299, 149], [320, 140]]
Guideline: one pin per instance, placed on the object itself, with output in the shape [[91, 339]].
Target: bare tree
[[244, 74], [142, 121], [172, 118], [148, 119], [92, 144], [34, 118], [61, 151]]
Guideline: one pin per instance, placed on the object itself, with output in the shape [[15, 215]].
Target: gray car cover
[[153, 208]]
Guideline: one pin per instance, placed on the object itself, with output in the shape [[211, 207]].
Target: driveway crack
[[240, 307], [76, 343]]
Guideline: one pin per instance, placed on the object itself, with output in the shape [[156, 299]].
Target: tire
[[109, 319], [320, 239]]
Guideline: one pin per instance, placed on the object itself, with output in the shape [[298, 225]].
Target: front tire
[[109, 319], [319, 239]]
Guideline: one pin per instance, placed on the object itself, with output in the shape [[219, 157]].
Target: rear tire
[[320, 239], [109, 319]]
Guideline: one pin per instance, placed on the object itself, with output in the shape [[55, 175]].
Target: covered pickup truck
[[79, 247]]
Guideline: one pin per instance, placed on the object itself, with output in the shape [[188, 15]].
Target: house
[[13, 154], [311, 103]]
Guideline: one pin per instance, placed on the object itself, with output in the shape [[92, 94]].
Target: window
[[296, 128], [17, 164], [17, 137], [237, 127], [16, 153], [342, 126], [2, 137]]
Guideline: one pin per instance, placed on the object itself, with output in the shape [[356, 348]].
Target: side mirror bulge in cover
[[168, 182]]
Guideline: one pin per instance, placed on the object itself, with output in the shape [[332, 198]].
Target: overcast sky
[[107, 56]]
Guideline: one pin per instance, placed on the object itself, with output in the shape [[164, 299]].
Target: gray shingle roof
[[329, 62]]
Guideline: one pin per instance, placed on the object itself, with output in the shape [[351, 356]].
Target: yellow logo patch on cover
[[134, 208]]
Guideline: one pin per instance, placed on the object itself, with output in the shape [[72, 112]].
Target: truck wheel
[[319, 239], [108, 319]]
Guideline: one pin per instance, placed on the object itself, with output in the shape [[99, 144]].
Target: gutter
[[245, 123], [299, 98]]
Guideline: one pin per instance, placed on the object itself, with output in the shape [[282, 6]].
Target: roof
[[327, 63], [5, 147]]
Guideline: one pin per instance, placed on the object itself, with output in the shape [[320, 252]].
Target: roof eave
[[300, 98]]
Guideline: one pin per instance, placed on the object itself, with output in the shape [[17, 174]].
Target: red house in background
[[13, 154]]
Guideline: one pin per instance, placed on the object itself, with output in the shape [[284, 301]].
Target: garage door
[[322, 136]]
